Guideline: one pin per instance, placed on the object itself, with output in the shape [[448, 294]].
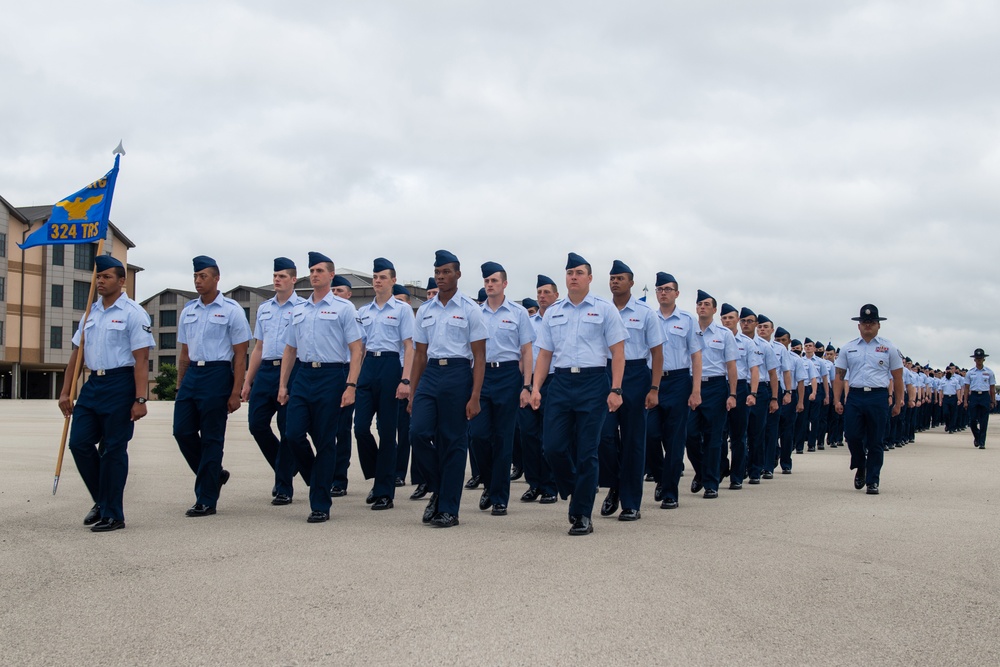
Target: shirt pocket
[[716, 344], [592, 327], [507, 333], [458, 329], [218, 325], [329, 315], [557, 329]]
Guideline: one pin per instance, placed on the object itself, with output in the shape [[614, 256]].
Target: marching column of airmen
[[597, 393]]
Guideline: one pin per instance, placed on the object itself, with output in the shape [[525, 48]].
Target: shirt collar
[[216, 302]]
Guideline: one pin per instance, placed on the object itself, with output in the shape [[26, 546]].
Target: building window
[[76, 325], [168, 341], [58, 255], [55, 338], [1, 333], [167, 359], [246, 311], [83, 256], [241, 294], [168, 299], [168, 318], [150, 365], [57, 296], [3, 288], [152, 321], [81, 291], [3, 244]]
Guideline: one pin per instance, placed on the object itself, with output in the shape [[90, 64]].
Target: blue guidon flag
[[80, 218]]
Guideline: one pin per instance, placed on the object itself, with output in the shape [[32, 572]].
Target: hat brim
[[973, 356], [869, 319]]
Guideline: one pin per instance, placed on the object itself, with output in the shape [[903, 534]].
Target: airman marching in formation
[[598, 393]]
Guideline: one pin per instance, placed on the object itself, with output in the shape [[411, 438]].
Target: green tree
[[166, 383]]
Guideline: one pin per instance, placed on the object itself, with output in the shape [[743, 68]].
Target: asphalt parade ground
[[800, 570]]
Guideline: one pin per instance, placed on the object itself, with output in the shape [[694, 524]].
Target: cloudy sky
[[798, 158]]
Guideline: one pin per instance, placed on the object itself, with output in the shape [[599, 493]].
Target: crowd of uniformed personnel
[[594, 393]]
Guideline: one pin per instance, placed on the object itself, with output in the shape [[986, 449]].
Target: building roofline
[[12, 209]]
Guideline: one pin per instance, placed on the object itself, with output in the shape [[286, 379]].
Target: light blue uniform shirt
[[679, 339], [979, 380], [768, 359], [211, 330], [950, 386], [718, 346], [831, 372], [785, 363], [579, 336], [508, 328], [273, 320], [747, 356], [386, 329], [819, 367], [449, 330], [642, 328], [870, 364], [537, 324], [321, 332], [112, 335], [804, 371]]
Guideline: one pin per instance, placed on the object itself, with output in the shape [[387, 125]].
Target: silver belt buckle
[[275, 362], [442, 362], [867, 389], [101, 373], [316, 364], [199, 363], [574, 369], [493, 364], [377, 354]]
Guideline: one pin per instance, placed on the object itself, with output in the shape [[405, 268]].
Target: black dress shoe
[[200, 510], [695, 485], [318, 517], [548, 499], [499, 510], [107, 525], [811, 449], [281, 499], [820, 447], [768, 475], [338, 492], [431, 509], [473, 482], [859, 478], [444, 520], [515, 473], [400, 482], [93, 516], [383, 503], [371, 497], [629, 515], [484, 500], [668, 504], [786, 471], [419, 492], [223, 478], [582, 526], [531, 495], [735, 486], [755, 480], [709, 493], [610, 505], [658, 493], [872, 490], [573, 518]]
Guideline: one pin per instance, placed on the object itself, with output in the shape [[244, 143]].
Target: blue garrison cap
[[489, 268], [382, 264], [574, 260], [796, 342], [105, 262], [726, 308], [618, 267], [781, 331], [482, 295], [399, 289], [764, 319], [820, 346], [202, 262], [442, 257], [318, 258], [702, 295], [664, 278], [746, 312], [431, 283], [544, 280], [341, 281], [283, 264], [808, 340], [529, 303]]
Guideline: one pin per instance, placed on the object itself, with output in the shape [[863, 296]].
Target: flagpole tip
[[119, 150]]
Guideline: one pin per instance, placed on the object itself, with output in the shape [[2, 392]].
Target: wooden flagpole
[[79, 367]]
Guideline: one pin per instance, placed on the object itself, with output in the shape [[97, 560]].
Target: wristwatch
[[405, 381], [140, 400], [352, 384], [526, 387], [616, 390], [732, 396], [654, 387]]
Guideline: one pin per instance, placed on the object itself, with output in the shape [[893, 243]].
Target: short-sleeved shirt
[[819, 365], [537, 324], [211, 330], [804, 371], [508, 328], [979, 380], [718, 347], [951, 386], [870, 364], [642, 328], [321, 331], [386, 328], [448, 330], [273, 320], [111, 335], [768, 358], [747, 356], [579, 336], [679, 339], [785, 363]]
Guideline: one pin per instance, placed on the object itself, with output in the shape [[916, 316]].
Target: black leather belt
[[502, 364], [324, 364], [114, 371], [574, 370], [386, 353], [450, 360], [211, 364]]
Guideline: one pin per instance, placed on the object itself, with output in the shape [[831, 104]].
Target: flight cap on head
[[482, 295], [618, 267], [781, 331], [529, 303], [573, 260], [283, 264], [382, 264], [318, 258], [544, 280], [796, 342], [431, 283], [105, 262], [727, 308], [489, 268], [663, 278], [341, 281], [702, 295], [399, 289], [442, 257], [746, 312], [764, 319], [202, 262]]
